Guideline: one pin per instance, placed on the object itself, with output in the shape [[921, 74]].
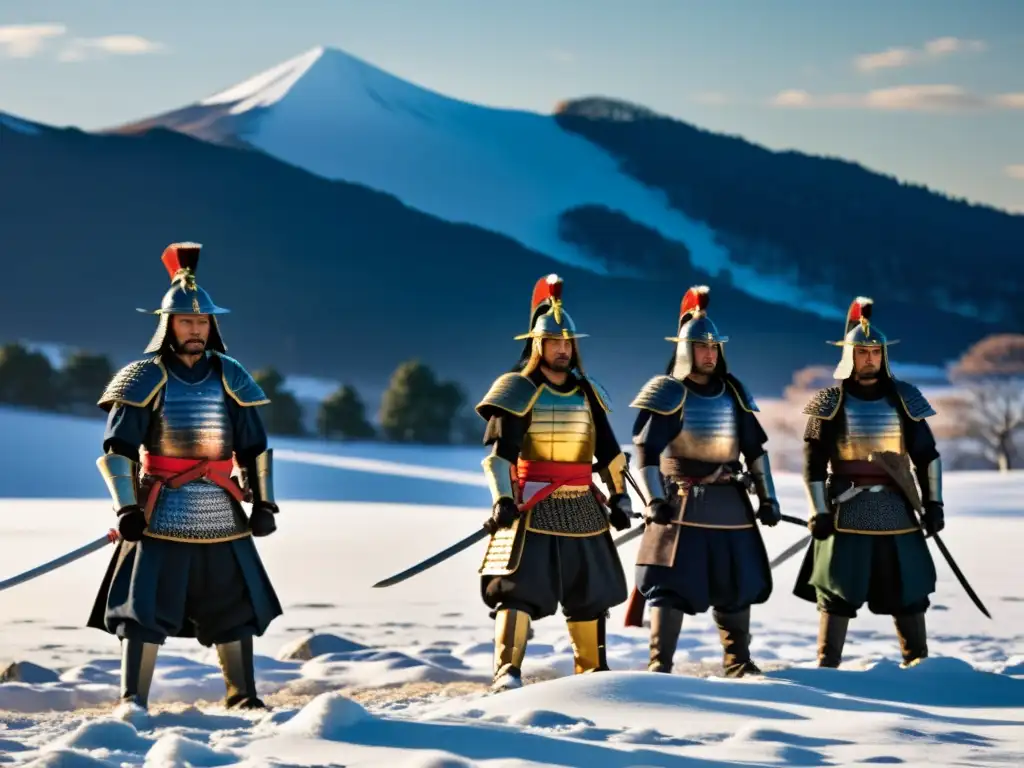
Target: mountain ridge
[[324, 278]]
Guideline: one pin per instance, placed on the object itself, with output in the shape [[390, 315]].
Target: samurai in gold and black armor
[[868, 548], [701, 547], [548, 429], [184, 445]]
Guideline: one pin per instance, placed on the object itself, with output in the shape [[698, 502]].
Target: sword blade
[[791, 550], [56, 563], [960, 576], [433, 560], [629, 535], [895, 465]]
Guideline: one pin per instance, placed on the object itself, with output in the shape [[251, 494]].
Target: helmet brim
[[531, 335], [212, 311], [719, 340], [860, 344]]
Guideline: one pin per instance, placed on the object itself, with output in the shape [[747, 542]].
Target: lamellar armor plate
[[868, 426], [191, 422], [709, 429], [561, 428]]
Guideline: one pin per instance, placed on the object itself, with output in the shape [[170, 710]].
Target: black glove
[[934, 517], [821, 526], [621, 511], [131, 522], [261, 521], [660, 512], [769, 513], [503, 514]]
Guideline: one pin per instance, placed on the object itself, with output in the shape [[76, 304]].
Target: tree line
[[416, 407]]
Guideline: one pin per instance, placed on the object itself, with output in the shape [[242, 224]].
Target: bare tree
[[992, 376]]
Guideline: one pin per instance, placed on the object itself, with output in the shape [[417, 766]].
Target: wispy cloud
[[792, 98], [903, 98], [940, 47], [83, 48], [1015, 171], [23, 41]]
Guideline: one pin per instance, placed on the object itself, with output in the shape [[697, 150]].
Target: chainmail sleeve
[[819, 436]]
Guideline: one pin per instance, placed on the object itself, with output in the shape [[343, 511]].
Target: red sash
[[174, 473], [556, 474]]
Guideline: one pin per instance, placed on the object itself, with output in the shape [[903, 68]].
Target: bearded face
[[191, 333], [867, 363], [556, 354]]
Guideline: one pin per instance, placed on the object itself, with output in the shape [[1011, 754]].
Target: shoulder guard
[[135, 384], [825, 403], [914, 403], [662, 394], [511, 392], [742, 394], [239, 383], [603, 398]]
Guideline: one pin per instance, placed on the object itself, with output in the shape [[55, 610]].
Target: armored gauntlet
[[260, 479], [768, 512], [931, 492], [821, 524], [121, 476]]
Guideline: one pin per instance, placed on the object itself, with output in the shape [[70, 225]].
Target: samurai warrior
[[868, 546], [701, 548], [184, 445], [550, 544]]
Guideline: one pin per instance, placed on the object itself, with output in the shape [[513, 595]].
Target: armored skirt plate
[[199, 511], [879, 513]]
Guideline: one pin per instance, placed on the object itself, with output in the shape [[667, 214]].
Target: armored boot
[[236, 663], [511, 628], [138, 660], [913, 638], [831, 639], [666, 622], [734, 631], [588, 648]]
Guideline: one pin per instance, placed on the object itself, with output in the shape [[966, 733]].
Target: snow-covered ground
[[396, 677]]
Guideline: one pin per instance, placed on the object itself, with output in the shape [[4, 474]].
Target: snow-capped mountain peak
[[267, 87], [513, 172]]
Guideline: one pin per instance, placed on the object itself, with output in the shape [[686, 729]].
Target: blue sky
[[931, 91]]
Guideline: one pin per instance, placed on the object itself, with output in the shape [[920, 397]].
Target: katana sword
[[895, 464], [109, 537]]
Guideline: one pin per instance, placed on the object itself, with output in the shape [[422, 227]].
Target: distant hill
[[323, 278], [827, 226]]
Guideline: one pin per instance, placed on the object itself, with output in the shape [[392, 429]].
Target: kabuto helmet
[[548, 320], [184, 297], [861, 333], [695, 326]]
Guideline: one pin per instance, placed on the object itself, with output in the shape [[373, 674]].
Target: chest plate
[[561, 428], [192, 420], [709, 432], [867, 426]]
